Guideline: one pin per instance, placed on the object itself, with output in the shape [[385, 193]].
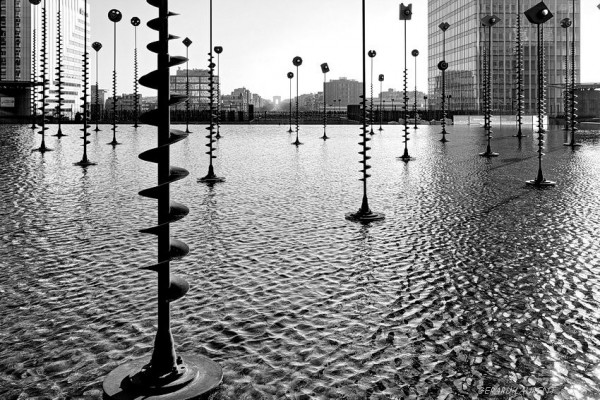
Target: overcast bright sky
[[261, 37]]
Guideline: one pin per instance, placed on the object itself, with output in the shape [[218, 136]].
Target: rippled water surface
[[473, 281]]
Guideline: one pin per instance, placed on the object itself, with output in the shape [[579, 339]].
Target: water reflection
[[472, 281]]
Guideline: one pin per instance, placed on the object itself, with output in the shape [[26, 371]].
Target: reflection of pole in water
[[166, 373]]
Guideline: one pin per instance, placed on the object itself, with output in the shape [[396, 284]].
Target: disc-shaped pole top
[[218, 49], [290, 75], [96, 46], [135, 21], [324, 68], [115, 15], [35, 2], [381, 77], [297, 61], [565, 22], [187, 42], [490, 20], [372, 53], [415, 53], [538, 14]]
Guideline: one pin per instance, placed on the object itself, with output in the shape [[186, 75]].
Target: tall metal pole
[[520, 96], [573, 96], [415, 54], [187, 42], [59, 71], [489, 21], [297, 61], [114, 16], [405, 157], [97, 46], [84, 160], [325, 70], [443, 66], [290, 76], [372, 54], [44, 69], [381, 78], [33, 67], [218, 50], [135, 21]]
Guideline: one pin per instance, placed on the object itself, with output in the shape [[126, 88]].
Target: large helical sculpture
[[371, 54], [566, 23], [325, 70], [405, 15], [187, 42], [519, 66], [364, 214], [97, 46], [211, 178], [86, 77], [538, 15], [34, 66], [114, 16], [166, 375], [59, 71], [290, 76], [218, 50], [135, 21], [443, 66], [297, 61], [415, 54], [43, 77], [489, 21]]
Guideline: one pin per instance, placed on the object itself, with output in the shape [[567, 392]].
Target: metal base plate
[[572, 144], [113, 143], [365, 217], [42, 149], [84, 163], [297, 143], [211, 179], [489, 155], [203, 378], [541, 184]]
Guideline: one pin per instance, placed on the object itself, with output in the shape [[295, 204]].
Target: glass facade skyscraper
[[465, 42]]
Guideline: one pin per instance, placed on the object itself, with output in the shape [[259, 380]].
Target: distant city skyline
[[261, 38]]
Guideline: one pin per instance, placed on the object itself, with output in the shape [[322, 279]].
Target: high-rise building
[[18, 19], [342, 92], [466, 39], [199, 81]]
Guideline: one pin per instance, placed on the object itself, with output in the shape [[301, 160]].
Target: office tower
[[466, 38]]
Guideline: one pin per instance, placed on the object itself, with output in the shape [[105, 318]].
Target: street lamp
[[538, 15], [135, 21], [364, 214], [372, 54], [86, 65], [415, 54], [325, 70], [187, 42], [59, 71], [97, 46], [489, 21], [443, 66], [405, 15], [297, 61], [290, 76], [44, 69], [381, 78], [218, 50], [114, 16]]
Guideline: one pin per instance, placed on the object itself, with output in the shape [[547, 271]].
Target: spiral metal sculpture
[[489, 21], [572, 96], [372, 54], [86, 70], [443, 66], [59, 71], [519, 66], [44, 78], [297, 61], [97, 46], [538, 15], [114, 16], [325, 70], [218, 50], [381, 79], [211, 178], [364, 214], [290, 76], [187, 42], [135, 21], [166, 375], [566, 23], [33, 67], [415, 54], [484, 67], [405, 15]]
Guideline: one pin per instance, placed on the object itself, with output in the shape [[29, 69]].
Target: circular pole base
[[210, 179], [324, 137], [42, 149], [372, 132], [489, 154], [380, 129], [290, 130], [572, 144], [59, 134], [97, 129], [218, 136], [415, 127], [33, 126], [540, 184], [444, 140], [297, 143], [202, 376], [113, 143], [84, 163], [365, 217], [406, 158], [137, 126], [519, 136]]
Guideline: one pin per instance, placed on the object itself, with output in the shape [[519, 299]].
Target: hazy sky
[[261, 37]]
